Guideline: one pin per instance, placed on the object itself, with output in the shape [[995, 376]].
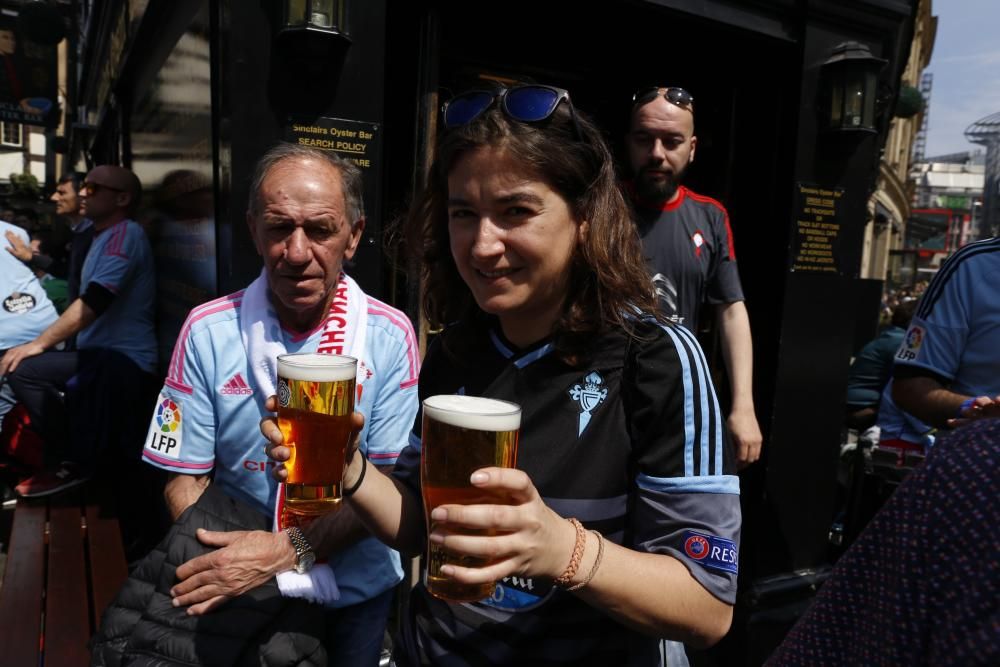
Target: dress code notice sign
[[817, 229], [358, 141]]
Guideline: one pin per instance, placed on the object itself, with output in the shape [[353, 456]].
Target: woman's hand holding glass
[[523, 537]]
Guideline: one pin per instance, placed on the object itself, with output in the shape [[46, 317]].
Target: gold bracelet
[[597, 563], [576, 556]]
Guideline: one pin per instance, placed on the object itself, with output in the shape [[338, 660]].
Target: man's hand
[[983, 407], [245, 560], [746, 436], [18, 248], [15, 355]]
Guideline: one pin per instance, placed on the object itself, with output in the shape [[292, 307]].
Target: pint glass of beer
[[315, 402], [461, 434]]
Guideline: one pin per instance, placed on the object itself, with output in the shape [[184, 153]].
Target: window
[[10, 134]]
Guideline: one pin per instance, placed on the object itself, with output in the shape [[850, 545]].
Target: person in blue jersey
[[26, 310], [947, 368], [531, 263], [688, 245], [112, 320], [306, 217]]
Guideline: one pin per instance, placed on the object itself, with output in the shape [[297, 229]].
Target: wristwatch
[[305, 557]]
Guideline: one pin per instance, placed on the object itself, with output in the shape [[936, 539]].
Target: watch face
[[306, 561]]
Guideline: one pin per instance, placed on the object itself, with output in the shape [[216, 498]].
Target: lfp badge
[[165, 432], [168, 416]]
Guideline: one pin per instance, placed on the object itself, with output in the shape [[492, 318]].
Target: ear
[[355, 239], [582, 230], [124, 200], [694, 145]]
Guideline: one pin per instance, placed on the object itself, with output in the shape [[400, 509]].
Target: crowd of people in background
[[544, 267]]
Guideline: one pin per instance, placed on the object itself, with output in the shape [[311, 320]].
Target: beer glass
[[315, 403], [461, 434]]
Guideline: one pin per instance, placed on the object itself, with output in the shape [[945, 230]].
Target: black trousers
[[39, 384], [86, 402]]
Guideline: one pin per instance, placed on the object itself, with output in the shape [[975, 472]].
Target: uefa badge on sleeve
[[711, 551]]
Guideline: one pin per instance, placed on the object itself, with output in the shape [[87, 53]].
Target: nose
[[489, 240], [297, 248], [658, 152]]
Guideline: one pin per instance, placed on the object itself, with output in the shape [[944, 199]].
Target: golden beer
[[461, 434], [315, 403]]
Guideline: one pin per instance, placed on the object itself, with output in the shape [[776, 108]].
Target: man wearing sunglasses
[[103, 380], [689, 244]]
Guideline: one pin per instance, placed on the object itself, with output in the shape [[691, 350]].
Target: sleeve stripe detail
[[688, 406], [108, 286], [383, 455], [113, 247], [939, 281], [176, 369], [728, 484], [173, 384], [398, 318], [725, 214], [409, 383], [709, 389], [689, 353], [177, 464]]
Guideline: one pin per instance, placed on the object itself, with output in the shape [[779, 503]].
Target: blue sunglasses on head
[[529, 103]]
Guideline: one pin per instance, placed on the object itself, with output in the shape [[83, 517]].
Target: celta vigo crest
[[589, 396]]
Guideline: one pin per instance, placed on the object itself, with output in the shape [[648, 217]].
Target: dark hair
[[350, 176], [608, 278], [74, 177]]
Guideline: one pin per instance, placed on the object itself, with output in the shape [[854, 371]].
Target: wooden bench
[[65, 564]]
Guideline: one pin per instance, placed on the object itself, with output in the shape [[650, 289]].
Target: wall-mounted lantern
[[850, 78], [316, 21]]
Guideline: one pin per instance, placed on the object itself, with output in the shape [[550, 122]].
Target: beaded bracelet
[[347, 493], [593, 568], [577, 555]]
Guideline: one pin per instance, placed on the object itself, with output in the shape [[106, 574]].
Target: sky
[[966, 67]]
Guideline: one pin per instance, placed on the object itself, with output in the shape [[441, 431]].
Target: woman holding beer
[[620, 523]]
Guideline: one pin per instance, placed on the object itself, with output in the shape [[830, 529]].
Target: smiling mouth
[[495, 274]]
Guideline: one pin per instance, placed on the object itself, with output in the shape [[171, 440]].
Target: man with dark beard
[[689, 244]]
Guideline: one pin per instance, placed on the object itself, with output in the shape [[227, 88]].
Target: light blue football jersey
[[955, 332], [121, 260], [26, 310], [208, 414]]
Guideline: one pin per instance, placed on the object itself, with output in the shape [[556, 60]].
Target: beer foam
[[317, 367], [473, 412]]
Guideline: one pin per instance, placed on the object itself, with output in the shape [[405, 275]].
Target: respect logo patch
[[711, 551]]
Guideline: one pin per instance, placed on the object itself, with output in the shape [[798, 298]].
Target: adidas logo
[[236, 386]]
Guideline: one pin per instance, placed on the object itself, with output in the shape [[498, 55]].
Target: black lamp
[[851, 79], [319, 20]]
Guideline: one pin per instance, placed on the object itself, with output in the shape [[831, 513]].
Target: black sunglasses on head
[[673, 94], [528, 103]]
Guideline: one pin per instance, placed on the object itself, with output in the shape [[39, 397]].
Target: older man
[[689, 245], [112, 320], [305, 216]]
